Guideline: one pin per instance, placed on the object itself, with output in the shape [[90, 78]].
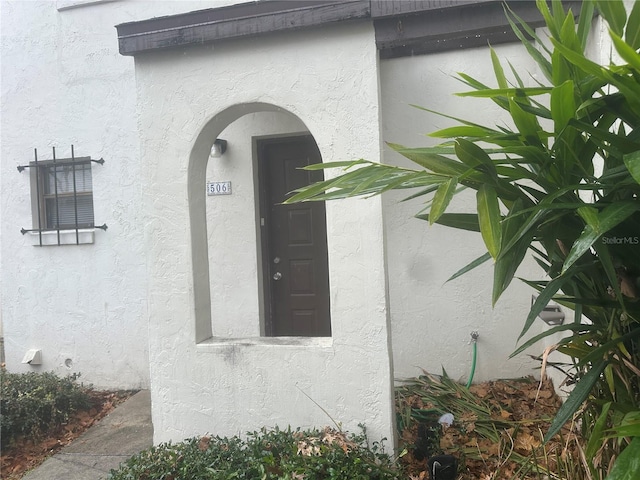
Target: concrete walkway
[[126, 431]]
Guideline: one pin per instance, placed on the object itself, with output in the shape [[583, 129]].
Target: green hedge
[[267, 454], [32, 404]]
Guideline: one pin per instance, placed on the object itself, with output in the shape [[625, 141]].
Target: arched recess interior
[[197, 207]]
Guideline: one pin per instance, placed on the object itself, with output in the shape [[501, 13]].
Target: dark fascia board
[[402, 27], [241, 20], [393, 8], [449, 27]]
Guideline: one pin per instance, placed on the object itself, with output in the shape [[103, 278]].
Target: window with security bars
[[61, 197], [62, 205]]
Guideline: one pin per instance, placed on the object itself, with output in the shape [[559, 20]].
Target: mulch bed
[[28, 453], [498, 428], [497, 432]]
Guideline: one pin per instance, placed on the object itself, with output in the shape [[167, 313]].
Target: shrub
[[267, 454], [32, 404], [561, 179]]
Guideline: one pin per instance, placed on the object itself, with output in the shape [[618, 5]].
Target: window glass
[[62, 175], [60, 202]]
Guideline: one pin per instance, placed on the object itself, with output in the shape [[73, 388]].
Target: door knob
[[277, 276]]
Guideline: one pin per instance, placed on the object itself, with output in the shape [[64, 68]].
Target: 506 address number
[[218, 188]]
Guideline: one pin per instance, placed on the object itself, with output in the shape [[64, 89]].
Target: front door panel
[[294, 239]]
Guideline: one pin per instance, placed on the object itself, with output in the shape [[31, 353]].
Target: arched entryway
[[266, 265], [206, 379]]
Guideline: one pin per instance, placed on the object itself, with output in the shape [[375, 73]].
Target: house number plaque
[[218, 188]]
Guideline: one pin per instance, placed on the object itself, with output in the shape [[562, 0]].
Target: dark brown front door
[[294, 241]]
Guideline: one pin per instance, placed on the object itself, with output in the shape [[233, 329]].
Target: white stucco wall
[[64, 82], [432, 320], [227, 386], [231, 220]]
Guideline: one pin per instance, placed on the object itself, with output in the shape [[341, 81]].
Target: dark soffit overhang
[[402, 27]]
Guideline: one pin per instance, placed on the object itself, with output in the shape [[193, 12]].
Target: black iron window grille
[[62, 195]]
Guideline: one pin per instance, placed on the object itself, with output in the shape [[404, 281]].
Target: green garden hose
[[474, 340]]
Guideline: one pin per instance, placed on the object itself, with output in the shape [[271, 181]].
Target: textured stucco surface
[[123, 311], [325, 78], [64, 82], [233, 220], [431, 319]]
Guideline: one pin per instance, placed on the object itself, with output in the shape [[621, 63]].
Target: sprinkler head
[[443, 467]]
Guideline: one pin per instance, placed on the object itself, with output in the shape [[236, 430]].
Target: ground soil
[[526, 406], [528, 403], [28, 453]]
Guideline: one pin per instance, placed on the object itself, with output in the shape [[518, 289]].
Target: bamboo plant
[[567, 194]]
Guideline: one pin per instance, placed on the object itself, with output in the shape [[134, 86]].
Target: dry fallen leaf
[[203, 444]]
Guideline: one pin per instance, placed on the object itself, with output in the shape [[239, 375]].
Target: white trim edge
[[67, 237], [62, 5]]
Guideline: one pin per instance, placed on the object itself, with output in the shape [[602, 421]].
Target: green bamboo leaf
[[489, 218], [505, 268], [347, 164], [472, 155], [614, 13], [563, 105], [632, 162], [584, 25], [561, 18], [497, 68], [575, 327], [627, 466], [461, 221], [507, 264], [606, 220], [307, 193], [584, 242], [620, 143], [568, 34], [589, 215], [595, 438], [629, 426], [608, 376], [577, 314], [384, 174], [628, 86], [541, 302], [456, 119], [632, 34], [550, 20], [421, 193], [516, 75], [510, 92], [433, 162], [526, 227], [578, 395], [562, 70], [441, 199], [626, 51], [579, 60], [526, 123], [463, 131], [477, 262], [606, 348], [631, 430], [607, 263], [372, 178], [532, 48]]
